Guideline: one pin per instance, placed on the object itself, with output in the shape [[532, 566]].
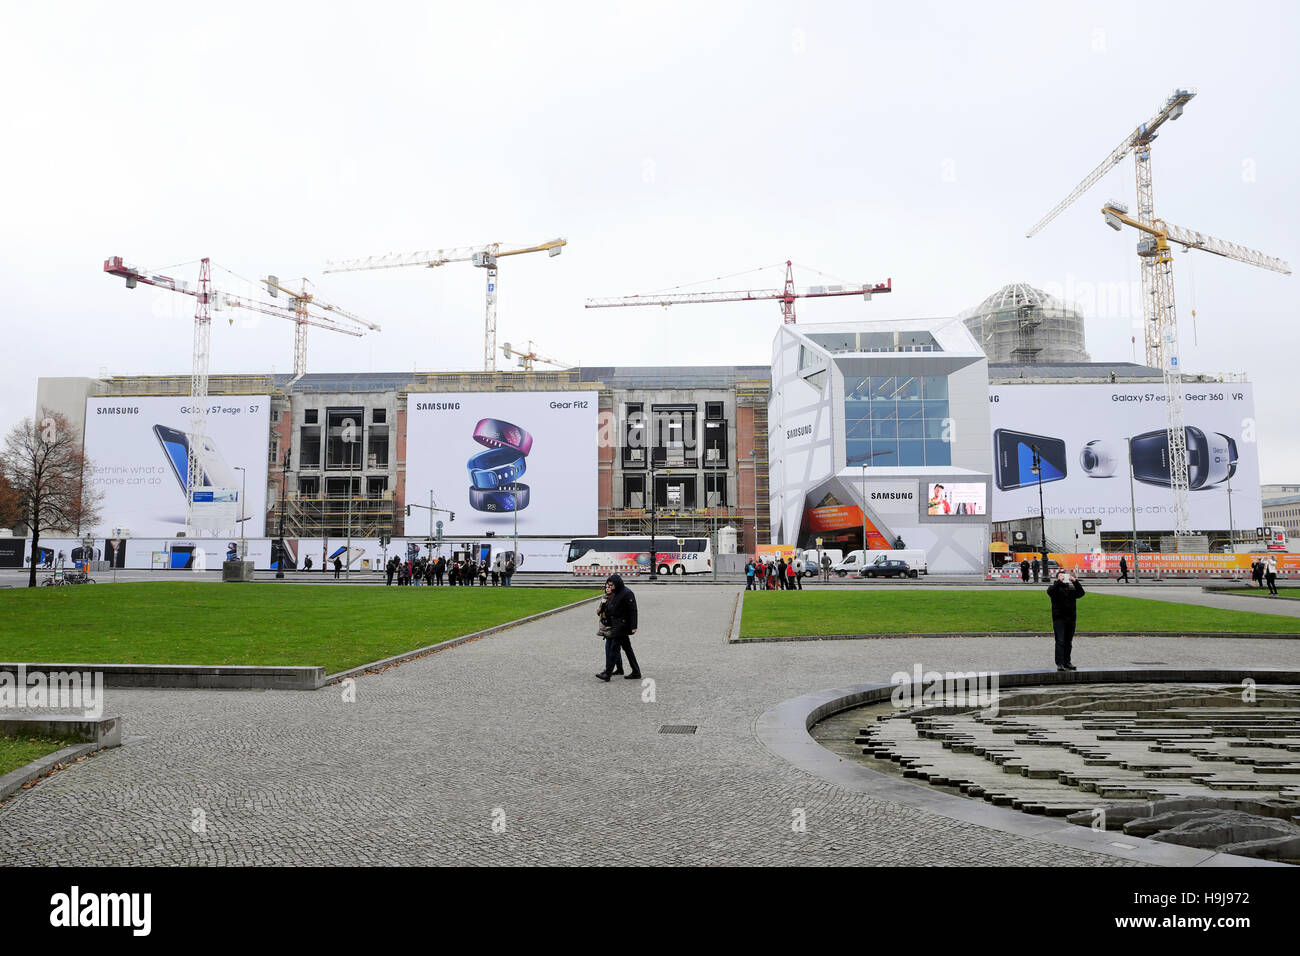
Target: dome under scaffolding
[[1021, 324]]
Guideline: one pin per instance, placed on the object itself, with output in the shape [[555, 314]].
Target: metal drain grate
[[1149, 662], [678, 728]]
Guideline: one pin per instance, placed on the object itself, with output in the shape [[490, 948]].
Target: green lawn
[[933, 610], [1291, 593], [269, 624], [16, 752]]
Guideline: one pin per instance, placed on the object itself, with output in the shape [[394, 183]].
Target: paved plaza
[[507, 750]]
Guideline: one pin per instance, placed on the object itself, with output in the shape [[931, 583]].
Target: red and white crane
[[785, 295], [207, 299]]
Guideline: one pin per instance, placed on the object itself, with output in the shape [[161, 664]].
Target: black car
[[888, 569]]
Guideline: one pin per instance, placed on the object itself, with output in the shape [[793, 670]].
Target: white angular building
[[866, 419]]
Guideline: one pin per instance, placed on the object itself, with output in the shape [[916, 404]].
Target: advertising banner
[[1081, 437], [834, 517], [961, 498], [497, 457], [139, 450], [1189, 563]]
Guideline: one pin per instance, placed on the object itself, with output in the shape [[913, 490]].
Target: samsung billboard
[[501, 458], [139, 449], [1077, 439]]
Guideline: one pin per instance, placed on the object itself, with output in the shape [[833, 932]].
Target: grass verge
[[17, 752], [933, 610], [260, 624]]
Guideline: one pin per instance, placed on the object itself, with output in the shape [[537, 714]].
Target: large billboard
[[1081, 435], [139, 450], [497, 458]]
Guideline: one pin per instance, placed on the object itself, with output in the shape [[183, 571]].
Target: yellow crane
[[298, 303], [482, 257], [1160, 318]]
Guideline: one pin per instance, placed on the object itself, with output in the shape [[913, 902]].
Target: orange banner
[[834, 518]]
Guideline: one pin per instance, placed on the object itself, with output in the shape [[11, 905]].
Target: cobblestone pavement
[[514, 729]]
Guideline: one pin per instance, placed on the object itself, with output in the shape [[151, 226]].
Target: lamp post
[[654, 550], [1132, 510], [243, 514], [1232, 535], [1042, 515], [863, 492], [284, 484], [347, 554]]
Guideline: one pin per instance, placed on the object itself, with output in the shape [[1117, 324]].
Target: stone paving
[[514, 730]]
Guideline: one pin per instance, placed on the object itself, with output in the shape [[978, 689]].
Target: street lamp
[[284, 484], [654, 551], [1232, 535], [243, 511], [863, 493], [1042, 515]]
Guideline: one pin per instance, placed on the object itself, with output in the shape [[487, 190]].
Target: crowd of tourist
[[771, 575], [438, 571]]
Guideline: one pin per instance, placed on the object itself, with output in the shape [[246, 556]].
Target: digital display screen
[[965, 498]]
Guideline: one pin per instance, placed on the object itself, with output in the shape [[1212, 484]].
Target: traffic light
[[408, 511], [453, 516]]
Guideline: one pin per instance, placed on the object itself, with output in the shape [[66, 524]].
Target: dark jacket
[[621, 610], [1064, 595]]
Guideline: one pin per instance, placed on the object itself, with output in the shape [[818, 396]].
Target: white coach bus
[[631, 555]]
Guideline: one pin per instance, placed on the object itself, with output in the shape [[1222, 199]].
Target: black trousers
[[1064, 628], [613, 647], [1272, 583]]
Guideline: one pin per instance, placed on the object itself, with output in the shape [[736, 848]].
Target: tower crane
[[482, 257], [207, 299], [526, 359], [1160, 320], [299, 302], [786, 295]]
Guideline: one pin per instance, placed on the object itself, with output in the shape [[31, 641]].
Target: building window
[[897, 420], [309, 447], [715, 444], [712, 410], [343, 443], [635, 436], [375, 487], [634, 491], [309, 487], [715, 490], [377, 447], [309, 416]]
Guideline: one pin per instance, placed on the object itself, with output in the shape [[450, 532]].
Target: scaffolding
[[332, 516], [1024, 325]]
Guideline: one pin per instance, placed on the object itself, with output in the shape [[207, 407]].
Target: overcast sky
[[667, 142]]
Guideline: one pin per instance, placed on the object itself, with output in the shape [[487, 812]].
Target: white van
[[855, 561], [810, 566]]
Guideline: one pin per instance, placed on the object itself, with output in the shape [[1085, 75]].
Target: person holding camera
[[1065, 591]]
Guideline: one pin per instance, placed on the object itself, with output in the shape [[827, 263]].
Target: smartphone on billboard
[[216, 473], [1013, 458], [349, 556]]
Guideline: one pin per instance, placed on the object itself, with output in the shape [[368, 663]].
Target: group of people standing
[[1026, 567], [770, 575], [1265, 569], [466, 573]]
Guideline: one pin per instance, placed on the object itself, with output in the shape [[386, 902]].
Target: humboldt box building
[[899, 433]]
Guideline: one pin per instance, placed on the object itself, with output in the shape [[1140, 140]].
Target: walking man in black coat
[[621, 614], [1123, 565], [1024, 571], [1065, 591]]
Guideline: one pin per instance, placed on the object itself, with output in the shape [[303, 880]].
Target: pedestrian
[[439, 569], [1270, 575], [306, 563], [1123, 568], [798, 573], [390, 569], [510, 570], [338, 567], [1064, 592], [1035, 567], [826, 567], [621, 612], [749, 575], [790, 578], [606, 632], [1024, 571], [483, 573], [1257, 572]]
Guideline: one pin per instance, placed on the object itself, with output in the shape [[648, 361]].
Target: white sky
[[668, 142]]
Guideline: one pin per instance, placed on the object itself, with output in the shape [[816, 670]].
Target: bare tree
[[44, 463]]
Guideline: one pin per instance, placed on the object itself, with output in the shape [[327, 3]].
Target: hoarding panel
[[494, 457], [1082, 436], [139, 450]]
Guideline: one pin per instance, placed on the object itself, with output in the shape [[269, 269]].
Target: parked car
[[888, 569]]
